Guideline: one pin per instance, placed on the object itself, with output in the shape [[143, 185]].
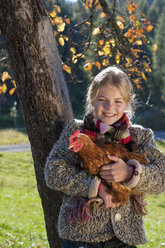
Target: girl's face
[[109, 105]]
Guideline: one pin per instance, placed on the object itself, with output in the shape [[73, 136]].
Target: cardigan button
[[117, 217], [136, 173]]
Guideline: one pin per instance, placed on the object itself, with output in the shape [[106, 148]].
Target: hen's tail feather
[[120, 193]]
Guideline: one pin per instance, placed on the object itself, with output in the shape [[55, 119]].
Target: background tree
[[158, 75], [37, 68]]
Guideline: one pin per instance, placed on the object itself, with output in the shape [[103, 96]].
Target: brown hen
[[95, 155]]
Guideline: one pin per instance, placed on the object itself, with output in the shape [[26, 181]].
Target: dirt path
[[15, 148]]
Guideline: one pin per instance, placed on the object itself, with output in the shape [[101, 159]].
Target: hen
[[94, 155]]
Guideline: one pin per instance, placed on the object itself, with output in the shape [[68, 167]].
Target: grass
[[21, 217], [21, 221], [154, 221], [11, 136]]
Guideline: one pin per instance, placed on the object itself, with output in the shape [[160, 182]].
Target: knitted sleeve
[[151, 176], [62, 169]]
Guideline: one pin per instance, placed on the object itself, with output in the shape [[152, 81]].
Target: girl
[[109, 225]]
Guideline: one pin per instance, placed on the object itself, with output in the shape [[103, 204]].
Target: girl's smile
[[109, 105]]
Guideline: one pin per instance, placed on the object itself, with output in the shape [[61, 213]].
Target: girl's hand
[[107, 199], [118, 171]]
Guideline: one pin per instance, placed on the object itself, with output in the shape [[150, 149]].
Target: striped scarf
[[117, 132]]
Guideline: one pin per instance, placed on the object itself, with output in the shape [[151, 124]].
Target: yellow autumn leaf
[[58, 8], [66, 38], [120, 25], [52, 13], [5, 76], [132, 18], [99, 6], [132, 7], [134, 69], [117, 57], [133, 96], [96, 31], [112, 41], [67, 20], [88, 4], [88, 66], [146, 67], [120, 18], [55, 33], [105, 62], [61, 27], [102, 15], [106, 49], [4, 88], [137, 81], [11, 91], [73, 50], [14, 83], [149, 28], [129, 62], [146, 57], [139, 42], [53, 21], [61, 41], [101, 42], [98, 65], [76, 57], [100, 53], [66, 68], [135, 52], [144, 76], [88, 23], [0, 89], [58, 20], [155, 47]]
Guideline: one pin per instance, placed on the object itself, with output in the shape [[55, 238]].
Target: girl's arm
[[62, 169], [148, 178]]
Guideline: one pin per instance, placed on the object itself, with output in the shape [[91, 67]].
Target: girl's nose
[[108, 105]]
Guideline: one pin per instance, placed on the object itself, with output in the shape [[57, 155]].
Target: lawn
[[21, 221], [13, 136], [21, 216]]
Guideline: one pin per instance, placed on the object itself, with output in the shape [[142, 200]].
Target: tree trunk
[[42, 90]]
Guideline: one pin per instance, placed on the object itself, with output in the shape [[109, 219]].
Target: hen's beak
[[70, 146]]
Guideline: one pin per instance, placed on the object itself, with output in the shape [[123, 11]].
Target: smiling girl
[[111, 225]]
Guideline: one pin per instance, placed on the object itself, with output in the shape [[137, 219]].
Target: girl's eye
[[101, 100], [118, 102]]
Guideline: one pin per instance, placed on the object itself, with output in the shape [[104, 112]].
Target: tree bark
[[42, 90]]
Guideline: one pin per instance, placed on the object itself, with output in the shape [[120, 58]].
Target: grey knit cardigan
[[63, 173]]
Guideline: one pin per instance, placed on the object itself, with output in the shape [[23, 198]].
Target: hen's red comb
[[73, 136]]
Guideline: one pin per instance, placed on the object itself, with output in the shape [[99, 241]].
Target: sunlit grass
[[161, 145], [11, 136], [154, 221], [22, 221]]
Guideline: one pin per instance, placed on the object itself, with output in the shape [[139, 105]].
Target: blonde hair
[[112, 76]]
